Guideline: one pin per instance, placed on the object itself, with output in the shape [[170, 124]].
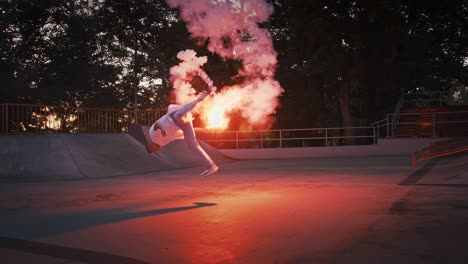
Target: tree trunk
[[343, 99], [372, 113]]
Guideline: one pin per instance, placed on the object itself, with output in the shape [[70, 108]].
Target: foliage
[[369, 51], [341, 63]]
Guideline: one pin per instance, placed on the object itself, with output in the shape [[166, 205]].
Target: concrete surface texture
[[373, 209], [384, 147], [61, 157]]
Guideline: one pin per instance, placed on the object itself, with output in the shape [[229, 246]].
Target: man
[[175, 124]]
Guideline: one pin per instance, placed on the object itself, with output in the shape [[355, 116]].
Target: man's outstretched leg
[[189, 134], [190, 139], [179, 113]]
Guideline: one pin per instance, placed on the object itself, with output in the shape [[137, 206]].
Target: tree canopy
[[340, 63]]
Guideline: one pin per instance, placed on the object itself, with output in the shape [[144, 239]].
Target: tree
[[435, 45], [347, 62], [342, 63], [92, 53], [142, 37]]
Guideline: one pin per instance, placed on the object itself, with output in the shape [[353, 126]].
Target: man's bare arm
[[157, 126]]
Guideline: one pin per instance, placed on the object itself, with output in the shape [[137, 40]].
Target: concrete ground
[[374, 209]]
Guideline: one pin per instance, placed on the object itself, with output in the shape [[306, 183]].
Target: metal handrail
[[388, 125], [326, 136], [405, 98], [433, 120], [29, 118], [438, 99], [379, 124], [396, 116], [440, 149], [430, 113], [288, 129]]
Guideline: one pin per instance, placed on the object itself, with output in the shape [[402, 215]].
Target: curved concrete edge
[[36, 157], [385, 147], [79, 156]]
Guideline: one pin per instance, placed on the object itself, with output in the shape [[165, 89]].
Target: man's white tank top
[[167, 123]]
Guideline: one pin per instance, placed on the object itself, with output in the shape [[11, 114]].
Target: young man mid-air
[[177, 123]]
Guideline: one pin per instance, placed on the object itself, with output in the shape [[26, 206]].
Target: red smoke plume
[[232, 30]]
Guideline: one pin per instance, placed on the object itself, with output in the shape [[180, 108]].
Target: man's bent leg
[[189, 134], [189, 137], [179, 113]]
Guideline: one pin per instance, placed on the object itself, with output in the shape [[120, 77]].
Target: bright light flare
[[216, 110], [254, 101], [53, 122], [216, 119]]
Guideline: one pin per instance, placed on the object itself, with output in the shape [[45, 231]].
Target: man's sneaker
[[202, 96], [213, 90], [210, 170]]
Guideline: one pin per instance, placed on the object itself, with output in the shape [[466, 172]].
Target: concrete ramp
[[449, 171], [36, 157], [66, 157], [441, 149]]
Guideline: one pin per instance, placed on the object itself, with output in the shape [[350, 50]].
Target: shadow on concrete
[[69, 253], [442, 184], [416, 176], [58, 224], [419, 173]]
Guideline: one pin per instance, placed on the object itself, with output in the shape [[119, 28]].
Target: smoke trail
[[231, 29]]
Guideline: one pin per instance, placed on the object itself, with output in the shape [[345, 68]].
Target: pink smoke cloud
[[232, 31]]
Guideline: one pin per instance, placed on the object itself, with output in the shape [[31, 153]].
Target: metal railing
[[420, 99], [285, 138], [40, 119], [440, 149], [432, 124], [30, 119], [378, 127], [396, 113], [437, 97]]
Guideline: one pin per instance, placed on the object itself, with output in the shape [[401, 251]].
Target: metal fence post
[[7, 119], [433, 124], [261, 137], [326, 137], [378, 130], [107, 119], [388, 125], [375, 139], [281, 138]]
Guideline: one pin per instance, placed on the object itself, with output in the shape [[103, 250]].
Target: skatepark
[[103, 199], [233, 132]]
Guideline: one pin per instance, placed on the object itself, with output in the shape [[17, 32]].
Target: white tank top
[[167, 123]]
